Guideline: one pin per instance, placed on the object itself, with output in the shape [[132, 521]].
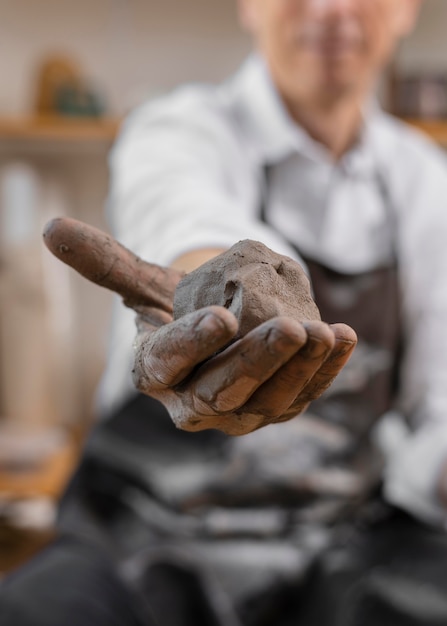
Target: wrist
[[192, 260]]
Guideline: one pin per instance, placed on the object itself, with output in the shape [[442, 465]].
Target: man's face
[[319, 50]]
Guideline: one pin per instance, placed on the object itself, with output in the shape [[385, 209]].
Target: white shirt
[[188, 173]]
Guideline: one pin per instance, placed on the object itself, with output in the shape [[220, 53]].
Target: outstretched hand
[[192, 365]]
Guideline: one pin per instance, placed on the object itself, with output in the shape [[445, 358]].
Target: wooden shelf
[[46, 478], [72, 130], [436, 129], [37, 462], [59, 129]]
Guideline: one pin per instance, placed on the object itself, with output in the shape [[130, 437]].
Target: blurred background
[[69, 73]]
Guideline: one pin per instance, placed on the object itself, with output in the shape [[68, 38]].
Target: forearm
[[191, 260]]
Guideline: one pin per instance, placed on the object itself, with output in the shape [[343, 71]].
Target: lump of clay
[[251, 281]]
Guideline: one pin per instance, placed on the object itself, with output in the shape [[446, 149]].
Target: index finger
[[101, 259]]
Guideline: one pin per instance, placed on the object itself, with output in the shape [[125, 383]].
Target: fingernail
[[279, 342], [344, 346], [315, 347], [210, 323]]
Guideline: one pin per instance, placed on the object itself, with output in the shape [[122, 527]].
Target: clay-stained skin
[[252, 282], [193, 364], [145, 287]]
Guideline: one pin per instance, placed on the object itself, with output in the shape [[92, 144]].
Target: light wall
[[127, 47], [130, 48], [426, 49]]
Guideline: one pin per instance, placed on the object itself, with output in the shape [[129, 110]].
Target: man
[[289, 524]]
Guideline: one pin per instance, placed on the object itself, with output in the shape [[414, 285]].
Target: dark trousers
[[383, 570], [72, 583], [69, 583], [392, 574]]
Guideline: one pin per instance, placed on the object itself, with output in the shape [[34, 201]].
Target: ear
[[248, 15], [407, 14]]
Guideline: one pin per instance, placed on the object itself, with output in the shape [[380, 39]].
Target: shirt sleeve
[[413, 470], [182, 180]]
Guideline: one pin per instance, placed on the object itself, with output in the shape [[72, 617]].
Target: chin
[[339, 86], [337, 82]]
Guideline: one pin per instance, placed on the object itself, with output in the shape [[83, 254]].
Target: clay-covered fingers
[[166, 356], [101, 259], [228, 381], [279, 392], [345, 342]]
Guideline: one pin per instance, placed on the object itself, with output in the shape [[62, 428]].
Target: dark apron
[[247, 515], [339, 424]]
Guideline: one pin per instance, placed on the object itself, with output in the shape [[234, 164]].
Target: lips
[[336, 46], [331, 41]]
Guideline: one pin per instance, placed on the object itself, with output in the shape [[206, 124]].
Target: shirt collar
[[262, 113], [276, 136]]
